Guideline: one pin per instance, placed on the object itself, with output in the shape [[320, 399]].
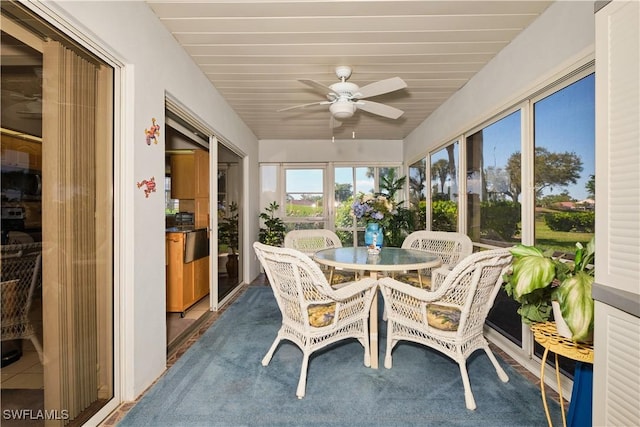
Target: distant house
[[586, 205], [565, 206]]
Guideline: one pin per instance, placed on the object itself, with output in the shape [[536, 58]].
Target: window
[[493, 182], [350, 181], [563, 195], [269, 185], [418, 192], [493, 206], [564, 171], [305, 205], [444, 189], [565, 166], [171, 206]]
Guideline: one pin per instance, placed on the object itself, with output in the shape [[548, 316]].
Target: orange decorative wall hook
[[153, 132], [149, 186]]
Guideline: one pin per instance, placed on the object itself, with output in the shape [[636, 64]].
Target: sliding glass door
[[230, 227], [57, 187]]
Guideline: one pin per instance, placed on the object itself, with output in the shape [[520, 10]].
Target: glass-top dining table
[[387, 260]]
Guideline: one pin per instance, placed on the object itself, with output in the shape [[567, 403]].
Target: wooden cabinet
[[201, 212], [183, 177], [186, 283], [200, 277], [190, 181], [201, 168], [190, 175]]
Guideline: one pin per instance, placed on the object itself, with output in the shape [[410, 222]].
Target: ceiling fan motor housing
[[342, 109], [346, 89]]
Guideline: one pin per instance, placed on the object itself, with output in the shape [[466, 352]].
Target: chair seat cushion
[[412, 279], [321, 315], [339, 276], [443, 317]]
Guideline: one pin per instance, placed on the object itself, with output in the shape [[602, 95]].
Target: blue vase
[[373, 232]]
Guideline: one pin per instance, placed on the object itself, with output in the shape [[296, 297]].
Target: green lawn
[[303, 211], [558, 240], [545, 237]]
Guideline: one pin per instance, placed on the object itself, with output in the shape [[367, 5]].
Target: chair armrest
[[412, 291], [437, 277], [349, 289]]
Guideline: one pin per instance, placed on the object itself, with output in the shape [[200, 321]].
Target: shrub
[[500, 220], [444, 215], [400, 225], [583, 222]]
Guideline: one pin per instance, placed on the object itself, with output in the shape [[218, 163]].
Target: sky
[[564, 122]]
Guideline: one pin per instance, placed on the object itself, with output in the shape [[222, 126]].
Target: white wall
[[154, 65], [324, 150], [562, 35]]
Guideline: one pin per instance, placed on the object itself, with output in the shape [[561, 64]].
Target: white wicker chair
[[314, 314], [21, 276], [452, 247], [311, 241], [450, 319]]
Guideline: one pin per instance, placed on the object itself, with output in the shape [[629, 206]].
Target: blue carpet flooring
[[220, 381]]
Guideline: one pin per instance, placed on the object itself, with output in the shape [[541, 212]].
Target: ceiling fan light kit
[[344, 98], [342, 109]]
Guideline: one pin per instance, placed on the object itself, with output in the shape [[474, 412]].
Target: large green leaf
[[519, 251], [576, 303], [531, 271]]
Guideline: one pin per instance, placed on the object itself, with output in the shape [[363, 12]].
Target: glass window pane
[[565, 166], [304, 193], [417, 182], [268, 184], [365, 180], [349, 181], [401, 223], [343, 197], [304, 226], [444, 189], [493, 182]]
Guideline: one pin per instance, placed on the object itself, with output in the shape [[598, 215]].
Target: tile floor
[[26, 372], [177, 325]]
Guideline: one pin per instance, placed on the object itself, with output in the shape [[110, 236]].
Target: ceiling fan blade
[[318, 87], [333, 123], [304, 105], [380, 109], [381, 87]]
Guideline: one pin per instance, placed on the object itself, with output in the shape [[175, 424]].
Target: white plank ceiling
[[254, 52]]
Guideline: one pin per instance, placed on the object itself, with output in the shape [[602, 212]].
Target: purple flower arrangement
[[371, 207]]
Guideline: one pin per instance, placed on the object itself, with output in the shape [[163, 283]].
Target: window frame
[[282, 189], [356, 229], [525, 353]]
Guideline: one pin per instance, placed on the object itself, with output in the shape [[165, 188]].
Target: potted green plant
[[228, 234], [538, 278], [274, 229], [401, 223]]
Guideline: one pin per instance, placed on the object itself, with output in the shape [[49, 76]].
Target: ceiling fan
[[344, 97]]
